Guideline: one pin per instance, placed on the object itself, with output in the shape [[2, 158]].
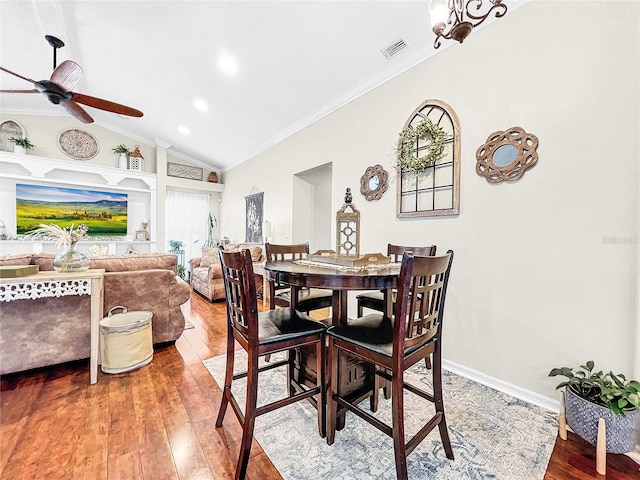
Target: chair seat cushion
[[377, 296], [373, 332], [284, 324], [309, 299]]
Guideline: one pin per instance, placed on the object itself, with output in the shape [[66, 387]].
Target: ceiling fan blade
[[17, 75], [18, 91], [76, 111], [67, 74], [105, 105]]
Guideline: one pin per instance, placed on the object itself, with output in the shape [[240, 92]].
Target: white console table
[[54, 284]]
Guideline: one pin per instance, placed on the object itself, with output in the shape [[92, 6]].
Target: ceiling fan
[[58, 89]]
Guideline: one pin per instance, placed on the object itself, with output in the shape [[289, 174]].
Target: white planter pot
[[122, 161], [582, 417], [19, 149]]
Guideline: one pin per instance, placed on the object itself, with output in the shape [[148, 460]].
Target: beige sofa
[[206, 274], [47, 331]]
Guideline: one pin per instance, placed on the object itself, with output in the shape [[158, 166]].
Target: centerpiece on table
[[71, 259]]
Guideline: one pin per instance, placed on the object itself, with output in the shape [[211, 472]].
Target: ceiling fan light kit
[[58, 89], [460, 17]]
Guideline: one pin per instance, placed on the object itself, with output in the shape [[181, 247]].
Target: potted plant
[[593, 395], [21, 145], [124, 152], [175, 245]]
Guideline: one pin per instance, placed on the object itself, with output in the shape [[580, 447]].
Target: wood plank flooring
[[157, 422]]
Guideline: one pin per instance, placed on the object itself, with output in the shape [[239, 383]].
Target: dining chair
[[307, 299], [259, 334], [395, 343], [375, 301]]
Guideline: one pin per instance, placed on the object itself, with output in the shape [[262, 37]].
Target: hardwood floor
[[157, 422]]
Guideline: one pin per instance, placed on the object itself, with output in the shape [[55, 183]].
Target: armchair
[[206, 272]]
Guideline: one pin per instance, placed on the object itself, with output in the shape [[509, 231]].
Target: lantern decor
[[136, 160], [348, 228]]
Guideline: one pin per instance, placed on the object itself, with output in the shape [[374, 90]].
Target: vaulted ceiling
[[261, 70]]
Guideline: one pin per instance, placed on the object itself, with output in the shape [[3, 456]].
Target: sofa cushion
[[127, 263], [210, 256], [118, 263], [16, 259], [254, 250], [44, 260]]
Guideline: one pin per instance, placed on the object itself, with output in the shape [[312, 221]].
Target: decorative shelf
[[31, 167]]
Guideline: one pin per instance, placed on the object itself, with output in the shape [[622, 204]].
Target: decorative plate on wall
[[78, 144]]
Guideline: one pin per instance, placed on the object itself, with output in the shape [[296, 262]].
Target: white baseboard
[[502, 386]]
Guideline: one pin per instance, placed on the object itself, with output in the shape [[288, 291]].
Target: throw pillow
[[209, 256]]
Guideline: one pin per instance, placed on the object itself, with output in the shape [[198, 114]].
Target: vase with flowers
[[71, 259]]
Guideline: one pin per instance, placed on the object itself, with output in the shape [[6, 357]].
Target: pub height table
[[357, 378]]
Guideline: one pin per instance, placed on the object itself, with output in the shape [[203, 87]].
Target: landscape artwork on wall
[[104, 213]]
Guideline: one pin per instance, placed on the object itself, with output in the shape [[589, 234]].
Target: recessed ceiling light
[[201, 105], [228, 64], [184, 130]]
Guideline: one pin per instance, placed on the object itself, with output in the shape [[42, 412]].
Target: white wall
[[545, 272]]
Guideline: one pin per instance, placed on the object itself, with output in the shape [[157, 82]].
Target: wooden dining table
[[301, 274], [357, 378]]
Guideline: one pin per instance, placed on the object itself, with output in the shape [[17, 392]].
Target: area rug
[[493, 435]]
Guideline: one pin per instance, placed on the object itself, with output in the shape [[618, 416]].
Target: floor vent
[[395, 48]]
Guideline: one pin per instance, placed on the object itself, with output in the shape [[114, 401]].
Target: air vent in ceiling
[[395, 48]]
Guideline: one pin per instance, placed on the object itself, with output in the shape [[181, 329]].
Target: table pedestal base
[[357, 378]]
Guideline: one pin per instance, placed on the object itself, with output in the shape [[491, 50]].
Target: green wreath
[[407, 153]]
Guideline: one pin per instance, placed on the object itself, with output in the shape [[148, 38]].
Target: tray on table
[[330, 258]]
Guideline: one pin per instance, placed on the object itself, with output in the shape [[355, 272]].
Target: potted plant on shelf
[[21, 144], [124, 152], [591, 396]]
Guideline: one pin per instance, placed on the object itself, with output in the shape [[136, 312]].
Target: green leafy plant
[[408, 156], [22, 142], [121, 149], [606, 389], [212, 223], [181, 271], [175, 245]]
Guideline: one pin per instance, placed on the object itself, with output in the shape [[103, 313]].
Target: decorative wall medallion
[[374, 182], [78, 144], [8, 129], [507, 155], [184, 171]]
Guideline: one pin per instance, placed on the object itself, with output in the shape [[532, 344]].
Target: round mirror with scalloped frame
[[506, 155], [374, 182]]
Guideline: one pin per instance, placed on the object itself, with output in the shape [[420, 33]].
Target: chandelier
[[460, 16]]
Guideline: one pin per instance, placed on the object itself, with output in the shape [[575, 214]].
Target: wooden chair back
[[280, 253], [395, 252], [240, 289], [422, 288], [276, 253]]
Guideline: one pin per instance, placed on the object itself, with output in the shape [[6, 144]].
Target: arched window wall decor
[[434, 191]]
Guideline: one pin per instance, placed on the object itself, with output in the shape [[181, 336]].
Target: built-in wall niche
[[140, 188]]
